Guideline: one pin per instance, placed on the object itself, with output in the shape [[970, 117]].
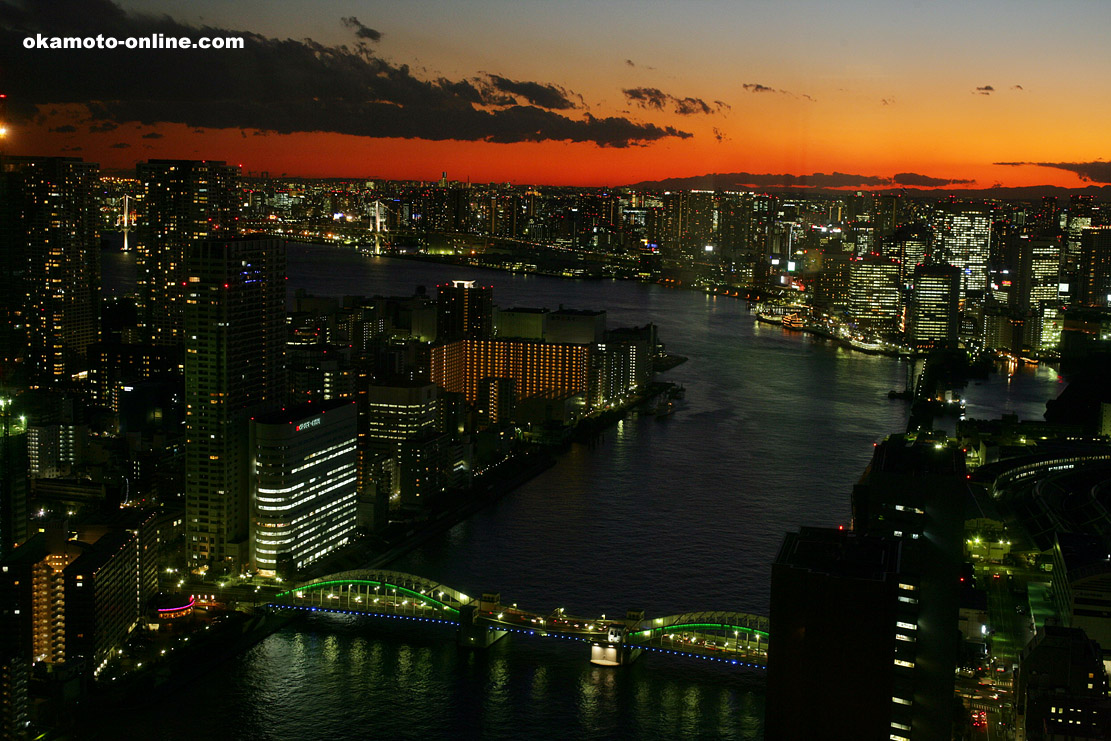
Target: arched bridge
[[736, 638]]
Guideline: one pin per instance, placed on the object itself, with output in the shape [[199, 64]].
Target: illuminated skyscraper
[[49, 266], [933, 319], [1039, 273], [963, 232], [874, 298], [186, 202], [911, 245], [234, 368]]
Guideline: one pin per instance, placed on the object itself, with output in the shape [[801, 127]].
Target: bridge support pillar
[[614, 651], [613, 654], [472, 633]]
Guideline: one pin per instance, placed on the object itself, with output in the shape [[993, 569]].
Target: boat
[[792, 321], [665, 409]]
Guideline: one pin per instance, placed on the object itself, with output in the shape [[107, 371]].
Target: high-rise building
[[497, 401], [234, 368], [874, 297], [963, 231], [914, 490], [49, 266], [1038, 273], [835, 603], [933, 319], [186, 202], [464, 310], [1062, 687], [1094, 270], [303, 485], [398, 413], [911, 246], [13, 479]]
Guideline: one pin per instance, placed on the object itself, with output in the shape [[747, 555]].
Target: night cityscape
[[554, 371]]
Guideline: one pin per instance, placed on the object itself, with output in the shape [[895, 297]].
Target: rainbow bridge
[[734, 638]]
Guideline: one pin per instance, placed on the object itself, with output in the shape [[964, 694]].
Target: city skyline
[[602, 94]]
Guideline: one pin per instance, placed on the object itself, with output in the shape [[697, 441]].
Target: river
[[672, 515]]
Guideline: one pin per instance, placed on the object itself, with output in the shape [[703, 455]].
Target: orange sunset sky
[[588, 93]]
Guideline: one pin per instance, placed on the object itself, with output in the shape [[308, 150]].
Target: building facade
[[234, 368], [303, 485]]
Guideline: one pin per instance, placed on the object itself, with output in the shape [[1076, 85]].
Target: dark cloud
[[651, 97], [887, 101], [687, 106], [538, 94], [755, 87], [1092, 172], [720, 135], [152, 135], [726, 181], [647, 97], [72, 149], [64, 129], [121, 145], [629, 63], [361, 31], [102, 127], [984, 90], [277, 85], [1017, 87], [914, 180]]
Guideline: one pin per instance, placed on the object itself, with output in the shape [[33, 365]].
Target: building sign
[[306, 425]]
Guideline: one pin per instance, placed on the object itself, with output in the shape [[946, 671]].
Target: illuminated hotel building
[[303, 485], [934, 320], [49, 265], [234, 353], [534, 367], [186, 202]]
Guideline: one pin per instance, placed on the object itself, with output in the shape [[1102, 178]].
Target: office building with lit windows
[[1039, 273], [963, 238], [185, 202], [934, 319], [234, 369], [303, 485], [874, 297]]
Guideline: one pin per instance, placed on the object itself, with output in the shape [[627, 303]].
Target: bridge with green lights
[[734, 638]]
